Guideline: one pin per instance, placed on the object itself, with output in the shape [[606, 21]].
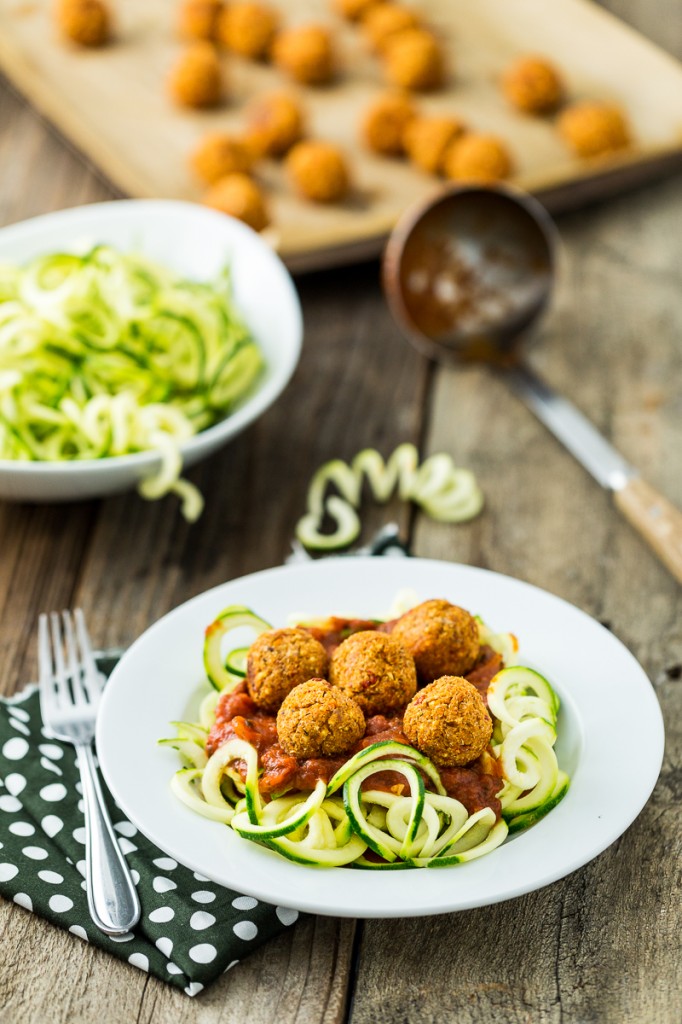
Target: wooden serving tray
[[113, 105]]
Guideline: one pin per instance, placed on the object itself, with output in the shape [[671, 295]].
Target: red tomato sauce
[[475, 785]]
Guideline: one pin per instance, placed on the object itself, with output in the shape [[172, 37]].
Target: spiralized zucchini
[[416, 824], [108, 354], [441, 489]]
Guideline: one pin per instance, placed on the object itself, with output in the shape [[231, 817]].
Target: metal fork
[[70, 688]]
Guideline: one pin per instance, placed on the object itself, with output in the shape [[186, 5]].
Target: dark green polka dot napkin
[[190, 931]]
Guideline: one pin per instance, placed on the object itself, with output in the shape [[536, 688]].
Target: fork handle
[[112, 898]]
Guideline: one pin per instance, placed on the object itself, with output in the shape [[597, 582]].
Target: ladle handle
[[655, 519]]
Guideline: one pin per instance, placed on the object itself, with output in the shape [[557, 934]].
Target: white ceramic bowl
[[196, 242]]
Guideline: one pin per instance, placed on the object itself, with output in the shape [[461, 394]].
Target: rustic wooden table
[[600, 946]]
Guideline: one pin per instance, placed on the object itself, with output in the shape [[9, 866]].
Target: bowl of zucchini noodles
[[134, 341]]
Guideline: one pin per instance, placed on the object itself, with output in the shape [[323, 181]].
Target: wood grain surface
[[599, 947], [113, 104]]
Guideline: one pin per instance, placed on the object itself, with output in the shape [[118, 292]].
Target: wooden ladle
[[466, 275]]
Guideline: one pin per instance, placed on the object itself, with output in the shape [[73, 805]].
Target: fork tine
[[92, 677], [60, 681], [45, 675], [75, 670]]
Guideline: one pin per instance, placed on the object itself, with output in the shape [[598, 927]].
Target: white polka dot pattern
[[246, 930], [244, 903], [203, 896], [161, 915], [286, 915], [15, 749], [200, 920], [205, 928], [15, 783], [203, 953]]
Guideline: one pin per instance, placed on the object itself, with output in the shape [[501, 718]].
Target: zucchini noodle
[[346, 822], [109, 354], [441, 489]]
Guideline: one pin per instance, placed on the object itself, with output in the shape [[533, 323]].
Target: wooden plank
[[602, 945], [41, 547], [298, 978], [112, 103], [127, 562]]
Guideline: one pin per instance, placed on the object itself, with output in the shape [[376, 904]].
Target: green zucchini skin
[[218, 671]]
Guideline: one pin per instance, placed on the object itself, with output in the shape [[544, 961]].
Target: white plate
[[606, 701], [196, 242]]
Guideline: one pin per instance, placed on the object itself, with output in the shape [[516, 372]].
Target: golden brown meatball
[[249, 29], [533, 85], [305, 54], [354, 10], [196, 79], [448, 722], [427, 140], [591, 129], [482, 158], [317, 719], [442, 638], [414, 60], [279, 660], [384, 21], [376, 670], [383, 126], [274, 123], [240, 197], [219, 154], [198, 19], [319, 171], [86, 22]]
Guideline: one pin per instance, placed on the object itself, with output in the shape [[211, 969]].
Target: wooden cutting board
[[113, 105]]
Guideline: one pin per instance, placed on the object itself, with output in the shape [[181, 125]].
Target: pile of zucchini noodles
[[444, 491], [108, 353], [338, 823]]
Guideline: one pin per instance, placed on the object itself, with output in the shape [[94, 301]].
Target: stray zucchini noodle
[[109, 354], [342, 822], [441, 489]]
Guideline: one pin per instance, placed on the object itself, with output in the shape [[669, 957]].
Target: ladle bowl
[[467, 275]]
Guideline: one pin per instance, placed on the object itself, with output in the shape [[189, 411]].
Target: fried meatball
[[319, 171], [427, 139], [414, 60], [274, 123], [279, 660], [384, 123], [442, 638], [219, 154], [305, 54], [386, 20], [196, 79], [240, 197], [198, 19], [248, 29], [317, 719], [482, 158], [354, 10], [86, 22], [591, 129], [448, 722], [533, 85], [376, 670]]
